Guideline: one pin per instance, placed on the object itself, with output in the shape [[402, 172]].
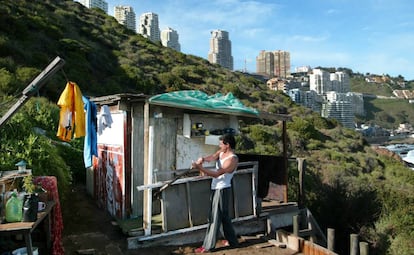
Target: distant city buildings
[[169, 38], [339, 106], [220, 49], [101, 4], [329, 94], [273, 63], [278, 84], [282, 63], [148, 26], [125, 15], [323, 92], [319, 81], [303, 69], [148, 23], [340, 82], [265, 64]]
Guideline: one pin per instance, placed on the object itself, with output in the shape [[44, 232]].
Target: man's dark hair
[[228, 139]]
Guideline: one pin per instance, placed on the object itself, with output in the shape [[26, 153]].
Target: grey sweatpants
[[219, 216]]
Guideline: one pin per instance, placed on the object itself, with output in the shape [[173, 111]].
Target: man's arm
[[209, 158], [228, 167]]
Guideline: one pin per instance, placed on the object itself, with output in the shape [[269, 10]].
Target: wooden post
[[363, 248], [331, 239], [354, 249], [296, 225], [147, 203], [285, 162], [301, 169]]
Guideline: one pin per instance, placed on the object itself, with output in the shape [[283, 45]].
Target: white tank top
[[224, 180]]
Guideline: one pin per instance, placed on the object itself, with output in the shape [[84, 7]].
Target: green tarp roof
[[200, 100]]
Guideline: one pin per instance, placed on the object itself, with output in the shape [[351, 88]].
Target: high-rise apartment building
[[169, 38], [220, 49], [339, 106], [149, 27], [101, 4], [322, 81], [273, 63], [281, 63], [319, 81], [265, 64], [125, 15], [340, 82], [338, 102]]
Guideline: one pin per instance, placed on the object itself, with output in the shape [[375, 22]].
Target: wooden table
[[26, 228]]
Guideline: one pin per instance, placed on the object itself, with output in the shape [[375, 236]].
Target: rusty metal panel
[[109, 175]]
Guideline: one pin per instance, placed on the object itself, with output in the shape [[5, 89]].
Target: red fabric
[[49, 183]]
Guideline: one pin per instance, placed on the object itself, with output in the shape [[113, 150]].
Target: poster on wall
[[109, 174], [110, 179]]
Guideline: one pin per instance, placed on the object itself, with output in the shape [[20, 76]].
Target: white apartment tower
[[220, 49], [148, 26], [125, 15], [101, 4], [169, 38], [322, 81], [319, 81], [339, 106], [340, 82], [339, 103]]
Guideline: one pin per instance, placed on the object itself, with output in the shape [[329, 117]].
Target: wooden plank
[[277, 243]]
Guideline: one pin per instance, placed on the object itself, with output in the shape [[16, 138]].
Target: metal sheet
[[175, 208]]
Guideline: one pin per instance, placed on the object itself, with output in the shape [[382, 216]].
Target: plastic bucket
[[23, 251]]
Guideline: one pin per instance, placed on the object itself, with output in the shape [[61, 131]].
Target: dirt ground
[[91, 230]]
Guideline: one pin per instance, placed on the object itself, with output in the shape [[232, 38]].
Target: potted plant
[[31, 200], [28, 184]]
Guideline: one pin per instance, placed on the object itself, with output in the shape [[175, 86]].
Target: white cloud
[[307, 38], [332, 12]]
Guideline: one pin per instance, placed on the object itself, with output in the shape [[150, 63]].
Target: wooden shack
[[148, 142]]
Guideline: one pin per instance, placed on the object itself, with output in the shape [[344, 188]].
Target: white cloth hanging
[[104, 119]]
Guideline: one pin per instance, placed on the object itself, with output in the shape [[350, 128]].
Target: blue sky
[[368, 36]]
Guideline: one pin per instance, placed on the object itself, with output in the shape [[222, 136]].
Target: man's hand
[[200, 160], [196, 165]]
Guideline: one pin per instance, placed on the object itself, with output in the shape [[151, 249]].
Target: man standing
[[226, 164]]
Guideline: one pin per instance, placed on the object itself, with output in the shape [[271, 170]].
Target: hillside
[[349, 186], [101, 56], [386, 110]]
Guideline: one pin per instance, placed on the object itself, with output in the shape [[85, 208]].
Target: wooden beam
[[33, 87], [147, 206], [285, 163]]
